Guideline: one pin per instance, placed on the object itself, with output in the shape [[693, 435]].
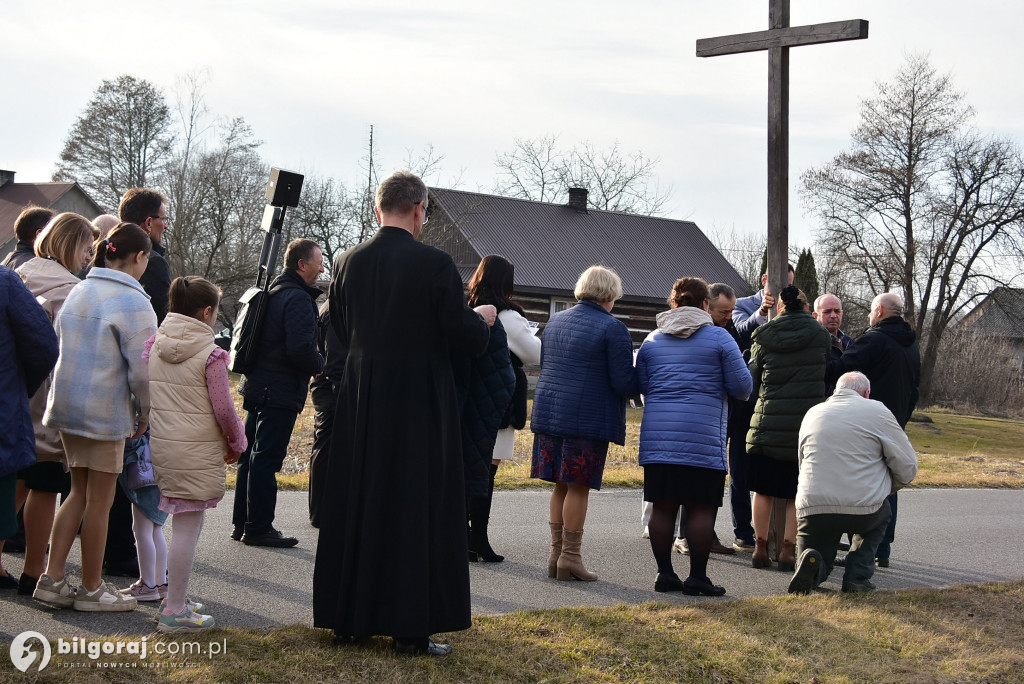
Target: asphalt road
[[944, 537]]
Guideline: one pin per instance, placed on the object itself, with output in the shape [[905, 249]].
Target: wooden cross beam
[[777, 40]]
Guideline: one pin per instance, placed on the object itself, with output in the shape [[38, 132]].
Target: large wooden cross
[[777, 40]]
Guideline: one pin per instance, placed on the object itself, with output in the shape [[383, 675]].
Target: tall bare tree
[[122, 140], [538, 170], [921, 204]]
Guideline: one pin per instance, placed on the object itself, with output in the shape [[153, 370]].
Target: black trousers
[[822, 533], [268, 431]]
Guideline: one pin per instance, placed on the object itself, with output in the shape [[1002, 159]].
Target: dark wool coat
[[28, 352], [787, 362], [156, 281], [888, 354], [490, 384], [287, 352], [391, 558]]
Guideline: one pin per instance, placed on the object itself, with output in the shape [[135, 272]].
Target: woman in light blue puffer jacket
[[687, 369]]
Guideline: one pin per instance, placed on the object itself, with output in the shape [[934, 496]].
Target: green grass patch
[[964, 633]]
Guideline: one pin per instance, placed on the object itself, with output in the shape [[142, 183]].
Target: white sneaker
[[142, 592], [189, 621], [681, 546], [105, 599], [57, 594]]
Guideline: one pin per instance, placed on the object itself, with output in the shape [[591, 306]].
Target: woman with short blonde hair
[[579, 407], [598, 284]]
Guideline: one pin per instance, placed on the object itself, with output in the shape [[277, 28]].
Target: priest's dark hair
[[492, 283], [123, 242], [400, 192]]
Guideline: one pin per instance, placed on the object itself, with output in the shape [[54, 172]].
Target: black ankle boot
[[479, 546]]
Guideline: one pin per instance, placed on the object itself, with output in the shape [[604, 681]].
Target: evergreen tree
[[806, 275]]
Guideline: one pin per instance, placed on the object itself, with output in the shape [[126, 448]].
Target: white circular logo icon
[[24, 656]]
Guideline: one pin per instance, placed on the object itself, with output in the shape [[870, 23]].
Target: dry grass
[[959, 634]]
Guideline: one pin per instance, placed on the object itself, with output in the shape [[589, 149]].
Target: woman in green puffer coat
[[787, 362]]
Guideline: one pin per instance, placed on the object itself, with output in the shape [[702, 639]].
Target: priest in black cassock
[[391, 558]]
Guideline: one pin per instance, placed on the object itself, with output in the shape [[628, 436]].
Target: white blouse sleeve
[[521, 340]]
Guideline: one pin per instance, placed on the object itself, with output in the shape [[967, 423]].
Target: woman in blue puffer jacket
[[687, 370], [579, 406]]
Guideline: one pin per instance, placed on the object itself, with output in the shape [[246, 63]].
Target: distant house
[[551, 244], [14, 197], [999, 315]]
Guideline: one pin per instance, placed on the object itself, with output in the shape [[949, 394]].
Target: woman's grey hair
[[854, 380], [599, 284]]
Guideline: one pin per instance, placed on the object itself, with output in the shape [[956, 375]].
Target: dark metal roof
[[1000, 313], [551, 244], [14, 197]]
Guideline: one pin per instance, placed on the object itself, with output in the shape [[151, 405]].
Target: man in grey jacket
[[852, 455]]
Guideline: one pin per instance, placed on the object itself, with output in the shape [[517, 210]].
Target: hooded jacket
[[186, 442], [103, 327], [687, 370], [50, 283], [888, 354], [787, 362]]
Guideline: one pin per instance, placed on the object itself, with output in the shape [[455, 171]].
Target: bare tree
[[538, 170], [122, 140], [921, 205], [743, 250], [331, 215]]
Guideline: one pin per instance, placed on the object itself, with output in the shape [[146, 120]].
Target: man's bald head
[[885, 305]]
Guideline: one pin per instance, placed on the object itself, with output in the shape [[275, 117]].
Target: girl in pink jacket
[[194, 433]]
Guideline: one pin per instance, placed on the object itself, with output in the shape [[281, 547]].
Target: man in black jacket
[[147, 209], [274, 392], [887, 353]]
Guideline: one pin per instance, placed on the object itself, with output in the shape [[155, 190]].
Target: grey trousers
[[822, 532]]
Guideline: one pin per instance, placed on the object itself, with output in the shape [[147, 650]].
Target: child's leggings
[[149, 538], [184, 538]]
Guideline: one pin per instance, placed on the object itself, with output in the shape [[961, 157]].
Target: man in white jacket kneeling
[[852, 455]]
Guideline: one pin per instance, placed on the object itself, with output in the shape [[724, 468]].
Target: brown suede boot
[[570, 563], [760, 558], [556, 548], [787, 556]]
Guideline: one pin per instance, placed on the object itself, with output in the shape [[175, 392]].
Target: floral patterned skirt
[[573, 460]]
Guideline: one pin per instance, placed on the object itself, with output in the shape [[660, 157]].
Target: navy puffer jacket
[[586, 376], [491, 382], [288, 354], [687, 370], [29, 346]]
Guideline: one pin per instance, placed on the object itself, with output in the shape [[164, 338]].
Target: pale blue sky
[[469, 77]]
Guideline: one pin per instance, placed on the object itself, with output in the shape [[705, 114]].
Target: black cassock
[[391, 558]]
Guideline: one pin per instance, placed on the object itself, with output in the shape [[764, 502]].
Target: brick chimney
[[6, 177], [578, 199]]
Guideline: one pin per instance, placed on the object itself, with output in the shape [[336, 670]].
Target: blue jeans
[[268, 431]]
